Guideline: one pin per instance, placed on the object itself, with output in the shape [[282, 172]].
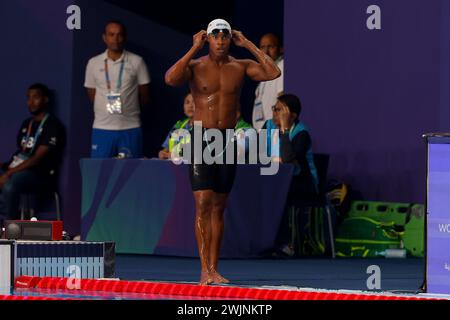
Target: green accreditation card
[[176, 142]]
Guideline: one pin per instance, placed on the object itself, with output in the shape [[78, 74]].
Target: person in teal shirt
[[289, 141], [292, 144]]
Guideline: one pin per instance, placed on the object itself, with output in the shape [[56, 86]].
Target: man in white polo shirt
[[268, 92], [117, 82]]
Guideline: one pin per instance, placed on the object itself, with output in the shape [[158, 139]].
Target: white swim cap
[[218, 24]]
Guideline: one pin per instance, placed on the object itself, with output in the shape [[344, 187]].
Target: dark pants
[[19, 183], [288, 226], [301, 196]]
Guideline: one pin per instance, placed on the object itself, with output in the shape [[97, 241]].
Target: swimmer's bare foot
[[217, 278], [206, 279]]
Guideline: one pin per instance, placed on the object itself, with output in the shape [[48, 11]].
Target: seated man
[[186, 123], [292, 144], [33, 166]]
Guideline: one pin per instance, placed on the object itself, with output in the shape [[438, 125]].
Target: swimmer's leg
[[217, 228], [204, 205]]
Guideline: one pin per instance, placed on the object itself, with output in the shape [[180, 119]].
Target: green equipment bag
[[414, 232], [366, 238], [381, 211]]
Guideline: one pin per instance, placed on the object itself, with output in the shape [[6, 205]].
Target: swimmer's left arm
[[263, 70]]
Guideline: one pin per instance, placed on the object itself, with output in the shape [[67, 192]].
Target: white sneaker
[[288, 250]]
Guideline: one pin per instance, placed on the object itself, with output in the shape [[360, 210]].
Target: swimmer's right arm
[[181, 71]]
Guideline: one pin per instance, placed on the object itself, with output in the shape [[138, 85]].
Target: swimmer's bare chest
[[216, 91]]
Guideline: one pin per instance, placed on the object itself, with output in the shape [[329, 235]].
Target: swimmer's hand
[[239, 39], [200, 39]]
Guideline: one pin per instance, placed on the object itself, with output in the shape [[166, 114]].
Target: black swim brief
[[218, 177]]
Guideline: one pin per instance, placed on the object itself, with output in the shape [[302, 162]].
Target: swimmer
[[216, 81]]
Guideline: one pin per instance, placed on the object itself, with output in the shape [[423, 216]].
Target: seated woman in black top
[[289, 141]]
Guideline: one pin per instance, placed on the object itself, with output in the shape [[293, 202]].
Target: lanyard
[[184, 123], [292, 129], [36, 136], [119, 81]]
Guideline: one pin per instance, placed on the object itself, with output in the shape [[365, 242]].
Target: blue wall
[[369, 95], [444, 112], [34, 49]]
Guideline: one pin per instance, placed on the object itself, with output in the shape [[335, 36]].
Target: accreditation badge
[[18, 160], [258, 111], [114, 103]]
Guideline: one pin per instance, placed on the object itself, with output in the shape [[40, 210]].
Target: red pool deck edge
[[173, 289]]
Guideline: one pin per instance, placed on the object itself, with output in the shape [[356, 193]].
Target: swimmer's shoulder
[[242, 62], [199, 61]]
